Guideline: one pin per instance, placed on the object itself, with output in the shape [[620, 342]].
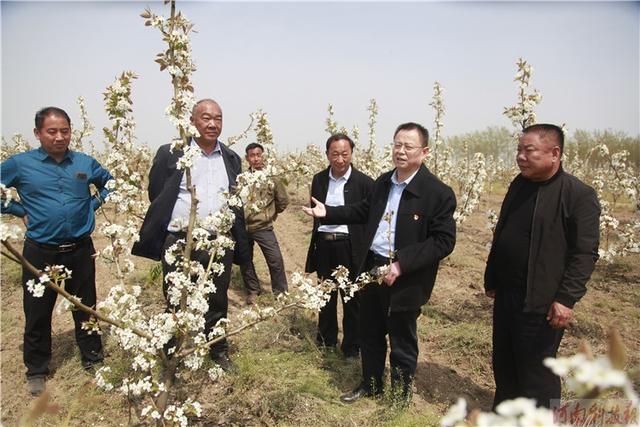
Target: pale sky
[[294, 58]]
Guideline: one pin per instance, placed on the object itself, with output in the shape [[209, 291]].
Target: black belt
[[332, 237], [63, 247], [379, 260]]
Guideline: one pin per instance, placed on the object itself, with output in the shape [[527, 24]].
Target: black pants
[[377, 321], [38, 311], [330, 255], [268, 243], [521, 341], [218, 300]]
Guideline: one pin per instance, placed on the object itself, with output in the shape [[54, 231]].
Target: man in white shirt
[[334, 245], [213, 172]]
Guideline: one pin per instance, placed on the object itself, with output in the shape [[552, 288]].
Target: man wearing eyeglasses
[[409, 229], [544, 250]]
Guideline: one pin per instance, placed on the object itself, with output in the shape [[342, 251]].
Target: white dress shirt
[[335, 197], [209, 176]]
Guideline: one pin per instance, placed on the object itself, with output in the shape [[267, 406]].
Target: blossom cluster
[[523, 114], [124, 160], [472, 180], [52, 274], [18, 145], [616, 180], [83, 131], [439, 162], [370, 160], [8, 231], [314, 294], [517, 412], [585, 376]]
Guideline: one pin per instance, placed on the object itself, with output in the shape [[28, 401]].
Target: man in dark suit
[[409, 229], [334, 245], [213, 172], [544, 250]]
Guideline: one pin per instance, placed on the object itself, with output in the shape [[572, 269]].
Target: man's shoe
[[251, 298], [357, 394], [35, 385], [90, 366], [224, 362], [323, 346]]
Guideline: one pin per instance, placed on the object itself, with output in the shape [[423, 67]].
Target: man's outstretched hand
[[318, 211]]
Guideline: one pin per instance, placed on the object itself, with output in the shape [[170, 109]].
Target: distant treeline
[[499, 143]]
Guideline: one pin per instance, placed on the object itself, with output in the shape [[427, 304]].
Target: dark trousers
[[218, 300], [521, 341], [377, 321], [331, 254], [38, 311], [268, 243]]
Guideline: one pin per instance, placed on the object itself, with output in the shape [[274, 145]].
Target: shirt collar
[[394, 178], [346, 175], [216, 149], [43, 155]]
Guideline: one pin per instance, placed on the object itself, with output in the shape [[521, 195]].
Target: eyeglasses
[[407, 148]]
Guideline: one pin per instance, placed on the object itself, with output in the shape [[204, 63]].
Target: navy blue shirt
[[55, 196]]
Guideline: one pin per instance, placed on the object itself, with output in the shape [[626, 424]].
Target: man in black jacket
[[334, 245], [213, 172], [409, 229], [544, 250]]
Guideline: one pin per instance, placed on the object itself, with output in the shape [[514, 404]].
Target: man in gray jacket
[[544, 250]]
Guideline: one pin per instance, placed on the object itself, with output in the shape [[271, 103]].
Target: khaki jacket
[[274, 200]]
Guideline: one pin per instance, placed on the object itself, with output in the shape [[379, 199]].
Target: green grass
[[465, 343], [284, 379]]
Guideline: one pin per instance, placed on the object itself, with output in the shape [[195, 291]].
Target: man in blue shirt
[[57, 208]]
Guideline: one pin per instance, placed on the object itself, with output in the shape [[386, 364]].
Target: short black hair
[[546, 130], [424, 133], [338, 137], [50, 111], [252, 146]]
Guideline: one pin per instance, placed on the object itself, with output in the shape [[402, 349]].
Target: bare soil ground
[[283, 379]]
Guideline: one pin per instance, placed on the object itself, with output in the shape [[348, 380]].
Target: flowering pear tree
[[440, 156], [523, 113], [18, 145], [471, 186], [83, 131], [371, 160], [617, 179]]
